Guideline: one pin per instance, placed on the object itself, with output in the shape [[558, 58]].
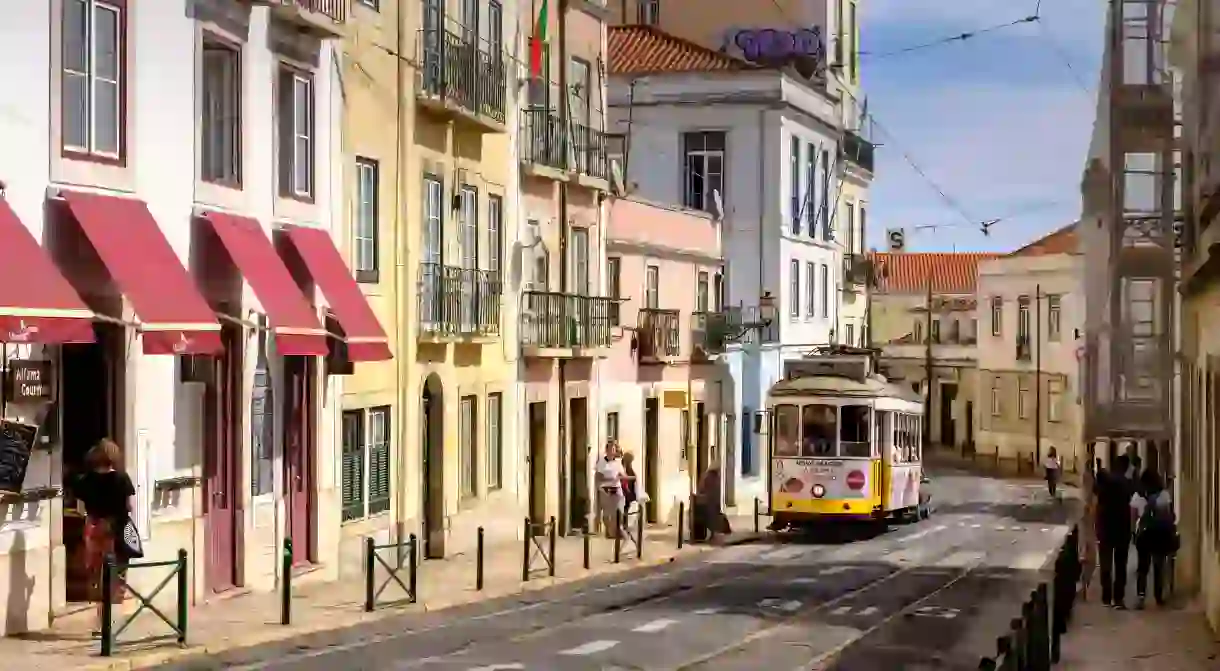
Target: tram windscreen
[[854, 432], [787, 431], [819, 430]]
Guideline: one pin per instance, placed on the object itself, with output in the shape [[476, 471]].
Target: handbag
[[128, 542]]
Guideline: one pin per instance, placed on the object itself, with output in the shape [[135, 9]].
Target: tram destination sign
[[27, 381]]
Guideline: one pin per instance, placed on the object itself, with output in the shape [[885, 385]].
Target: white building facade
[[197, 337], [759, 148]]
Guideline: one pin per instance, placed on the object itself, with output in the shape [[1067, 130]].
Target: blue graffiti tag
[[771, 46]]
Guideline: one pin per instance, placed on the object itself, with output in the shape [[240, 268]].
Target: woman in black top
[[106, 491]]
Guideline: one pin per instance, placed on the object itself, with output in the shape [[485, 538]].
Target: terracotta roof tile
[[1062, 241], [647, 50], [909, 272]]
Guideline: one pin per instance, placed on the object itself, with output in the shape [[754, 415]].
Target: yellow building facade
[[430, 185]]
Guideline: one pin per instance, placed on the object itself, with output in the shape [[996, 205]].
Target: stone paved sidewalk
[[1174, 638], [253, 619]]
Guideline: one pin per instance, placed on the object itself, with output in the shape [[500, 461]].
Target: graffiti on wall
[[803, 49]]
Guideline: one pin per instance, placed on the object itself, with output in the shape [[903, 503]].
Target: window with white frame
[[614, 287], [997, 316], [811, 189], [703, 155], [811, 289], [649, 12], [794, 178], [470, 20], [850, 213], [434, 196], [365, 477], [997, 407], [652, 287], [296, 121], [366, 262], [469, 224], [794, 288], [94, 55], [851, 335], [702, 291], [495, 238], [1023, 399], [1054, 400], [825, 290], [581, 283], [495, 441], [1054, 318], [612, 426], [468, 443], [220, 114]]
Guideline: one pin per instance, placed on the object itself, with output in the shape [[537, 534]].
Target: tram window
[[787, 431], [854, 431], [819, 429]]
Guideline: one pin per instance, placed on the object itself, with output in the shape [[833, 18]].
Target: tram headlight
[[819, 491]]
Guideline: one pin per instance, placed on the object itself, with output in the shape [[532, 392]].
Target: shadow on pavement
[[1046, 512]]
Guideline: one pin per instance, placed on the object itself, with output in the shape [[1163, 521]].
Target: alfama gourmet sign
[[28, 381]]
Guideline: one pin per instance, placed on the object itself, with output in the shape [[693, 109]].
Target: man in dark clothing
[[1113, 490]]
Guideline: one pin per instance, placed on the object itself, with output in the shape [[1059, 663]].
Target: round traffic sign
[[855, 480]]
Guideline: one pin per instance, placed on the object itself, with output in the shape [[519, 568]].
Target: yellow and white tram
[[844, 447]]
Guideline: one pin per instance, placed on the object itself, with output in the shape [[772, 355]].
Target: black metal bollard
[[413, 569], [553, 531], [183, 596], [618, 536], [525, 552], [588, 549], [756, 509], [286, 583], [107, 606], [681, 522], [639, 534], [370, 548], [478, 561]]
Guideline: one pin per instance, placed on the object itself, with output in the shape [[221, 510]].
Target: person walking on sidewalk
[[1113, 522], [608, 478], [1155, 535], [1053, 468]]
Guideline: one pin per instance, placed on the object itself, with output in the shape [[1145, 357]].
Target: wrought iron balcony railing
[[657, 335], [589, 150], [323, 18], [551, 320], [858, 150], [713, 332], [857, 269], [543, 140], [465, 70], [458, 302]]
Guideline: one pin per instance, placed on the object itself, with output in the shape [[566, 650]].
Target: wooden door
[[300, 443], [652, 428], [221, 441], [537, 456], [578, 459]]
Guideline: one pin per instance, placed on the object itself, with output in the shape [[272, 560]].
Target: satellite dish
[[515, 263], [718, 204], [530, 235]]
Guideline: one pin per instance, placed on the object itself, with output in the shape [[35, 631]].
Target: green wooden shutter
[[379, 460], [353, 465]]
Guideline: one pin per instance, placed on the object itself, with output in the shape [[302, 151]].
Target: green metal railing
[[114, 576], [402, 550]]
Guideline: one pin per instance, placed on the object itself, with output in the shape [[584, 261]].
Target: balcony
[[857, 270], [458, 303], [544, 144], [557, 325], [462, 78], [657, 337], [713, 332], [321, 18], [857, 150], [1024, 351], [589, 152]]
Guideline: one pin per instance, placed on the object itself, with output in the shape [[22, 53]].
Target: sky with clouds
[[1000, 122]]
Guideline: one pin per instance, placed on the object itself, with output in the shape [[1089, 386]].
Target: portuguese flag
[[538, 41]]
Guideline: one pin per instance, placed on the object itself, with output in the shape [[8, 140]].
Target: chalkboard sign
[[16, 439]]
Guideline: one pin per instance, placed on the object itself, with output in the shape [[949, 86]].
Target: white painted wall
[[162, 149]]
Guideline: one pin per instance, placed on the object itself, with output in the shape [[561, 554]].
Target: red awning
[[296, 327], [366, 341], [37, 304], [174, 317]]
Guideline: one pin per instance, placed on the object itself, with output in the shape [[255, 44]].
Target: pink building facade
[[661, 384]]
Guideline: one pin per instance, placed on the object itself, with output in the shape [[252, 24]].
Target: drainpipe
[[564, 115], [402, 328], [1037, 376]]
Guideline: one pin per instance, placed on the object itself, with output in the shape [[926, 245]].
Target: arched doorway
[[432, 453]]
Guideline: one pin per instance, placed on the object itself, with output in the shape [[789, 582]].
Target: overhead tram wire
[[960, 37]]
